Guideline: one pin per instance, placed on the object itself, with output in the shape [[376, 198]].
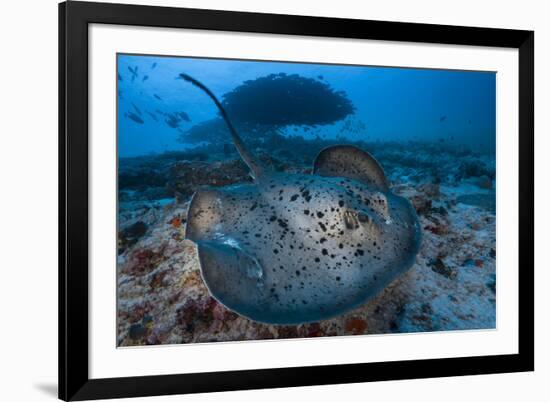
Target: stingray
[[292, 248]]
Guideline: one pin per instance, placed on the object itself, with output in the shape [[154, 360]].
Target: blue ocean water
[[391, 104]]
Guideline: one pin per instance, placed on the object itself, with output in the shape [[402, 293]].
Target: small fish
[[120, 94], [184, 116], [442, 118], [320, 77], [134, 117], [172, 123], [136, 109], [120, 77], [134, 72], [174, 116], [153, 116], [153, 65], [145, 78], [172, 120], [158, 97], [469, 121]]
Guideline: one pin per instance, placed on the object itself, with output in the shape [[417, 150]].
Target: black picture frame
[[74, 18]]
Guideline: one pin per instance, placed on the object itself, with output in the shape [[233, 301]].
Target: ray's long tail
[[255, 168]]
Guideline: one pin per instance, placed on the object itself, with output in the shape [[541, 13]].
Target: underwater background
[[433, 132], [393, 103]]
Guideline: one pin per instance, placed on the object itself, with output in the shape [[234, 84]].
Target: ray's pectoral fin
[[232, 276], [352, 162], [204, 213]]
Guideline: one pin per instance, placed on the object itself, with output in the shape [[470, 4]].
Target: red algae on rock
[[356, 326]]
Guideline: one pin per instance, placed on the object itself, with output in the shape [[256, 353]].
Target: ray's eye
[[350, 220], [354, 219], [362, 217]]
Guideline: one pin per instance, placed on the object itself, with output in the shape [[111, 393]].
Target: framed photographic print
[[257, 201]]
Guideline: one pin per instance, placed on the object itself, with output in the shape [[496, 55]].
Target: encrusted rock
[[186, 177]]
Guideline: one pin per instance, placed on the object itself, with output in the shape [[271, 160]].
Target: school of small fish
[[173, 119]]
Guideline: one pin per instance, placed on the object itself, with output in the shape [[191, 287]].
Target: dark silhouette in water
[[134, 72], [442, 119], [261, 107], [134, 117], [184, 116], [281, 100], [174, 120], [136, 108], [158, 97]]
